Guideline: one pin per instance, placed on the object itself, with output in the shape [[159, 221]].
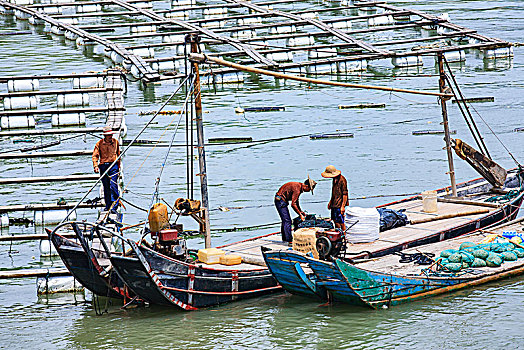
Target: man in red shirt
[[290, 192], [339, 196], [105, 153]]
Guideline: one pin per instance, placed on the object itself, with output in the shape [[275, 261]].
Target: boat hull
[[85, 270]]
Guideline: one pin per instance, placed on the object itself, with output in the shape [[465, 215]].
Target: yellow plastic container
[[230, 259], [158, 217], [429, 201], [210, 255]]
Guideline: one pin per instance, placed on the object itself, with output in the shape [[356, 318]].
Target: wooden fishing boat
[[161, 279], [86, 258], [386, 282], [302, 274]]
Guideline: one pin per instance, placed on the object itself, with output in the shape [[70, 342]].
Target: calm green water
[[382, 158]]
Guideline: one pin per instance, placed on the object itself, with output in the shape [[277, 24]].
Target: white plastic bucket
[[23, 85], [24, 121], [67, 100], [20, 102], [429, 201], [68, 119]]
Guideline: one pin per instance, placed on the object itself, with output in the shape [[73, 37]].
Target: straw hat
[[107, 130], [330, 172], [310, 183]]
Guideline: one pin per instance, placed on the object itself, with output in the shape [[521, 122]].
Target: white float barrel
[[115, 57], [68, 119], [173, 38], [380, 21], [135, 72], [46, 217], [341, 25], [325, 52], [88, 82], [36, 21], [300, 41], [23, 2], [144, 4], [145, 52], [163, 66], [143, 29], [58, 284], [178, 14], [67, 100], [22, 15], [17, 122], [71, 35], [47, 248], [20, 102], [23, 85], [283, 29], [175, 3], [57, 30], [88, 8], [4, 220], [281, 56], [407, 61], [71, 20]]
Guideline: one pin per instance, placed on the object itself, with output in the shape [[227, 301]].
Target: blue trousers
[[285, 228], [110, 183]]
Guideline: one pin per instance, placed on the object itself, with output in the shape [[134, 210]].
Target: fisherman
[[105, 153], [290, 192], [339, 196]]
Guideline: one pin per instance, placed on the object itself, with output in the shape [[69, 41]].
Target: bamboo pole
[[34, 273], [203, 58], [447, 138], [40, 207], [194, 40], [450, 216], [25, 180], [51, 154], [39, 132]]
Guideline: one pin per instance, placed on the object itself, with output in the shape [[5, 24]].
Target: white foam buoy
[[324, 52], [18, 122], [283, 29], [20, 102], [173, 38], [453, 56], [178, 14], [135, 72], [69, 35], [57, 30], [4, 220], [248, 21], [57, 284], [175, 3], [163, 66], [144, 4], [23, 85], [341, 25], [88, 8], [47, 248], [351, 66], [145, 52], [242, 34], [68, 119], [280, 56], [407, 61], [36, 21], [68, 100], [52, 10], [143, 29], [23, 2], [300, 41], [44, 217], [502, 52], [380, 21], [87, 82], [71, 20]]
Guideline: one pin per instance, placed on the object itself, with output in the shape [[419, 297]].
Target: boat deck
[[414, 232], [390, 263]]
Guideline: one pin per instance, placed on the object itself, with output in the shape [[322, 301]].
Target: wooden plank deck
[[391, 264]]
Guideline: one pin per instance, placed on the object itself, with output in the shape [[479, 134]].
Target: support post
[[443, 99], [194, 39]]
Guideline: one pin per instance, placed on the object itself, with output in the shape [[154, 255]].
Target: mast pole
[[194, 39], [447, 138]]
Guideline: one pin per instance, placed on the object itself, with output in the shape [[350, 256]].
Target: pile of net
[[472, 255]]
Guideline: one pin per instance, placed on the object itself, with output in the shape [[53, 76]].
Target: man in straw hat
[[105, 153], [290, 192], [339, 196]]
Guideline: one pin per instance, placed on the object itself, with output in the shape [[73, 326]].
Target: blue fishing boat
[[302, 274], [388, 281]]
